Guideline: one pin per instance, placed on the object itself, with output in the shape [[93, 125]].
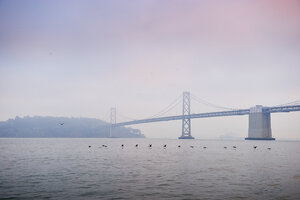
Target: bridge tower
[[259, 124], [113, 120], [186, 120]]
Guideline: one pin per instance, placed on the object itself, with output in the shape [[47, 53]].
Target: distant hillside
[[72, 127]]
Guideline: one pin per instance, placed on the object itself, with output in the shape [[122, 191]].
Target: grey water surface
[[70, 169]]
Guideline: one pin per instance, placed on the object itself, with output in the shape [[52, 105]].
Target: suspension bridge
[[259, 117]]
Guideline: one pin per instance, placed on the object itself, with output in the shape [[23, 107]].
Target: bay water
[[67, 168]]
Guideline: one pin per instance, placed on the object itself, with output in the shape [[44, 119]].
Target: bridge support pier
[[186, 121], [113, 120], [259, 124]]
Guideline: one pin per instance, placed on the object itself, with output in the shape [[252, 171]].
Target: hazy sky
[[79, 58]]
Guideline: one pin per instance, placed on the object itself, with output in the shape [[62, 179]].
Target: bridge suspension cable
[[105, 117], [204, 102], [125, 117], [169, 107], [161, 113], [289, 103]]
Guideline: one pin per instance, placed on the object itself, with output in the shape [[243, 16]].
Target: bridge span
[[259, 119], [180, 117]]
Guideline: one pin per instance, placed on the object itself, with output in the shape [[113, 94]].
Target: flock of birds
[[179, 146], [165, 146]]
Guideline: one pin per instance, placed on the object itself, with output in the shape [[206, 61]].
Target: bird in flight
[[61, 124]]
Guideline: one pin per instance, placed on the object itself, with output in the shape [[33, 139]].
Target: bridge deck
[[180, 117], [210, 114], [282, 109]]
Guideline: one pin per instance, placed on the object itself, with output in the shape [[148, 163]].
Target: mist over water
[[69, 169]]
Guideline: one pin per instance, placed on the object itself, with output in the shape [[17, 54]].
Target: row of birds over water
[[179, 146]]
